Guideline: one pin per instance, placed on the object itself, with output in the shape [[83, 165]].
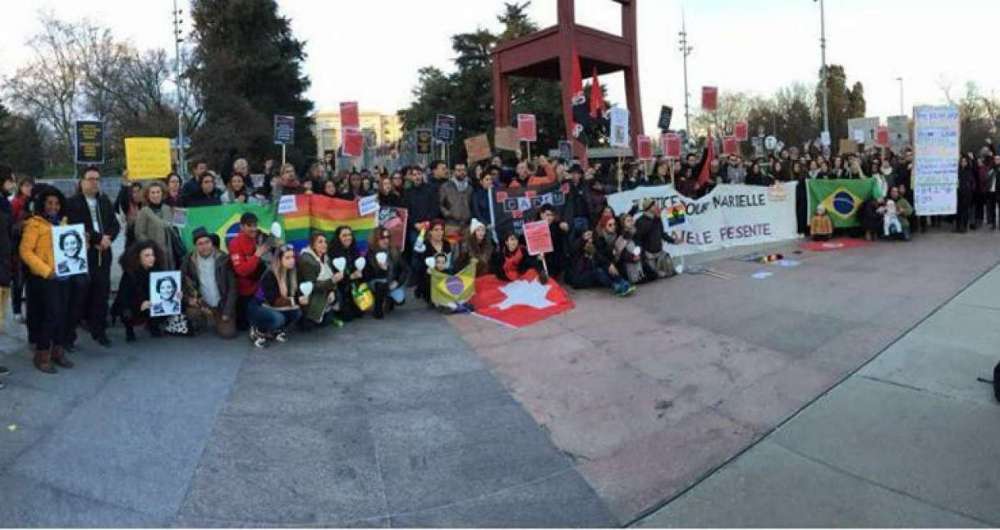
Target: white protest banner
[[732, 215], [867, 126], [935, 160], [619, 127]]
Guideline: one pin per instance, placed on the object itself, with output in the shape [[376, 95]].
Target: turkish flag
[[519, 303]]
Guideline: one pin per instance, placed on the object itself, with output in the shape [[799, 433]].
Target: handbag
[[363, 297]]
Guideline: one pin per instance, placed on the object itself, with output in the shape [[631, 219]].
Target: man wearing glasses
[[93, 210]]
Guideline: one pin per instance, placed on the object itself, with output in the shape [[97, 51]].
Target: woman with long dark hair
[[314, 267], [345, 257], [277, 305], [132, 302], [386, 272], [434, 244]]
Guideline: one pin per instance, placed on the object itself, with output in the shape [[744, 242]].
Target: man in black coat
[[650, 236], [93, 210], [422, 204]]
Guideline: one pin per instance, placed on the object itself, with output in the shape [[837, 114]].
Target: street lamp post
[[826, 84], [902, 112], [178, 39], [685, 52]]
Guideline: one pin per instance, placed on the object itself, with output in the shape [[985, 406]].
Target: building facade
[[386, 129]]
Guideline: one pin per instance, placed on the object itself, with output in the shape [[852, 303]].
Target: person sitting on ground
[[630, 253], [448, 308], [344, 256], [209, 286], [476, 245], [132, 303], [278, 302], [511, 260], [820, 226], [386, 272], [903, 211], [607, 257], [314, 267], [555, 261]]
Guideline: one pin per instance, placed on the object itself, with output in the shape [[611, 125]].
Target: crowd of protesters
[[263, 288]]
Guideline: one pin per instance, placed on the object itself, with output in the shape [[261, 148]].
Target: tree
[[467, 92], [247, 67], [844, 103], [21, 144]]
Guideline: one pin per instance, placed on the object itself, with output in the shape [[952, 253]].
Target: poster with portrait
[[69, 250], [164, 293]]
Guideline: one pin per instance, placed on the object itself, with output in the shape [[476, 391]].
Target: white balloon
[[306, 288], [276, 229], [382, 258], [359, 263], [340, 263], [637, 251], [430, 262]]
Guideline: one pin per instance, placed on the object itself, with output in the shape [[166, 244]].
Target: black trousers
[[963, 210], [91, 292], [242, 302], [48, 312]]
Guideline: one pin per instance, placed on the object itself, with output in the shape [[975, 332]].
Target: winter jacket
[[5, 249], [269, 293], [422, 204], [157, 227], [36, 247], [510, 266], [309, 268], [225, 280], [481, 205], [246, 264], [649, 234], [133, 290], [77, 212], [395, 271], [199, 198], [456, 206]]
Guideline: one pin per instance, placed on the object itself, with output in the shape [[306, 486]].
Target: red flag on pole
[[580, 116], [596, 97]]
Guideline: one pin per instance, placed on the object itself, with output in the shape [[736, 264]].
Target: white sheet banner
[[731, 216], [935, 159]]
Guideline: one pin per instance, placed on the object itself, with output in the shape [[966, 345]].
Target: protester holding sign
[[511, 260], [93, 210], [133, 300], [48, 295]]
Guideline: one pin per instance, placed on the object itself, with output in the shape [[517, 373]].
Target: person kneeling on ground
[[132, 301], [821, 227], [209, 285], [276, 307], [386, 273], [314, 267], [903, 212], [448, 308]]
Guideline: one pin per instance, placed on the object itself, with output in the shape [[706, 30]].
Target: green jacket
[[308, 271]]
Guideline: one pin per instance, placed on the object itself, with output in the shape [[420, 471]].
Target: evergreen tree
[[844, 103], [248, 67], [21, 146]]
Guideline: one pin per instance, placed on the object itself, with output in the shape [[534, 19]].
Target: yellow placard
[[147, 158]]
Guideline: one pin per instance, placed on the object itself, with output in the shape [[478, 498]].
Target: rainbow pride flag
[[304, 215]]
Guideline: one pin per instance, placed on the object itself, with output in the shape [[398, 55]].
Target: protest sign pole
[[621, 174], [545, 266], [282, 154], [671, 162]]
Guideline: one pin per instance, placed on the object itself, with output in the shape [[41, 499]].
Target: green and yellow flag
[[842, 198], [447, 289]]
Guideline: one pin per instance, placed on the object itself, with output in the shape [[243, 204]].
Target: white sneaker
[[260, 342], [281, 337]]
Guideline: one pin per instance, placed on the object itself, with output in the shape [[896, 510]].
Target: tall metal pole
[[685, 51], [826, 82], [902, 112], [178, 39]]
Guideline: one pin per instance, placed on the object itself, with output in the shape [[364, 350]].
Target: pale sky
[[370, 50]]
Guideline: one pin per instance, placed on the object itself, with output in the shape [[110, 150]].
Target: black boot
[[129, 333]]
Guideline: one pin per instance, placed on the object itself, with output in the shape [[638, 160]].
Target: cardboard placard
[[644, 146], [730, 146], [741, 130], [147, 158], [478, 148], [353, 144], [848, 146], [349, 117], [882, 136], [709, 98], [506, 138], [538, 238], [671, 145], [527, 128]]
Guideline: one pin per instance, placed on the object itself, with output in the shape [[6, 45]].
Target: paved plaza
[[837, 392]]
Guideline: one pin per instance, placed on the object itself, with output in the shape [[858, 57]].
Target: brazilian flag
[[449, 289], [842, 198], [224, 220]]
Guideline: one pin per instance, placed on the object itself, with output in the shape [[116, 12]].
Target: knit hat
[[474, 225]]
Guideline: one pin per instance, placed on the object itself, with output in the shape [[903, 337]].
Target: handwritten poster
[[935, 161], [147, 158]]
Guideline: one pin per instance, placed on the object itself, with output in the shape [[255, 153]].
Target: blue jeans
[[271, 320]]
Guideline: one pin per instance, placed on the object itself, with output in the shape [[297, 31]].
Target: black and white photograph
[[69, 250], [164, 293]]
